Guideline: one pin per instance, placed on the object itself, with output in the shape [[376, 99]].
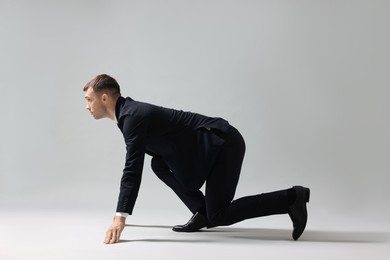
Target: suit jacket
[[185, 141]]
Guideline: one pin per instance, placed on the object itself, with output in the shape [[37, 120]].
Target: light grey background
[[306, 82]]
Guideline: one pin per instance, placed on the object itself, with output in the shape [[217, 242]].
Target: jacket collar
[[118, 107], [120, 103]]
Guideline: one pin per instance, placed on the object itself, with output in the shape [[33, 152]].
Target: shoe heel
[[307, 194]]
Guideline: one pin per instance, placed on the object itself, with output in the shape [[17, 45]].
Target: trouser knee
[[159, 167], [218, 220]]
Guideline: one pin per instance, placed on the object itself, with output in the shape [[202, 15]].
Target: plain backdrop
[[306, 82]]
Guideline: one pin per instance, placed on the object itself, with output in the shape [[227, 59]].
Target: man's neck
[[111, 109]]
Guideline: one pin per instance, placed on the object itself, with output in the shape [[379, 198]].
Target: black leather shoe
[[298, 212], [196, 222]]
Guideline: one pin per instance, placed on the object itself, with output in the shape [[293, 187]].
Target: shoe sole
[[306, 195]]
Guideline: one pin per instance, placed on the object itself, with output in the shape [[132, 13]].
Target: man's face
[[95, 104]]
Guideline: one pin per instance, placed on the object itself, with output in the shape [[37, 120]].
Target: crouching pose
[[187, 150]]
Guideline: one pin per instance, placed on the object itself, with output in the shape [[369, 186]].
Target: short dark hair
[[104, 82]]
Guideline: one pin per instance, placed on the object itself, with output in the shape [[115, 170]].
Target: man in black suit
[[187, 150]]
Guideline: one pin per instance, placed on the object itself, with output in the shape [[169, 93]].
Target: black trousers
[[217, 203]]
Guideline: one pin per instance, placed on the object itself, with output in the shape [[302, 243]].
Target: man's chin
[[97, 117]]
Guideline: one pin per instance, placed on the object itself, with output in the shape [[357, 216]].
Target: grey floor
[[78, 234]]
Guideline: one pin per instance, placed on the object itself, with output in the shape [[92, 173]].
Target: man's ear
[[104, 97]]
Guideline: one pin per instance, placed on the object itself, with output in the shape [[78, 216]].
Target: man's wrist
[[121, 214]]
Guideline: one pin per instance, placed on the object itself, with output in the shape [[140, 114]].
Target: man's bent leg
[[194, 200]]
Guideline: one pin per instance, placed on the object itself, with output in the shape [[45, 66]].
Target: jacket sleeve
[[134, 131]]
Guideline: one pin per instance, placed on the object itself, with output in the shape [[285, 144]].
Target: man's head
[[101, 94]]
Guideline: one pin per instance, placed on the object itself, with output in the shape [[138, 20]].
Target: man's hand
[[113, 234]]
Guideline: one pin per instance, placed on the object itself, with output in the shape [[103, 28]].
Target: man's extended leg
[[222, 182], [221, 186]]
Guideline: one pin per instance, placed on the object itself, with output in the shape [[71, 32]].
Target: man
[[187, 150]]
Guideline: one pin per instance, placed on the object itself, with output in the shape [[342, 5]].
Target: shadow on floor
[[308, 235], [148, 226], [273, 234], [167, 240]]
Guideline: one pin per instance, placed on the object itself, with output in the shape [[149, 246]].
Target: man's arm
[[134, 130]]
